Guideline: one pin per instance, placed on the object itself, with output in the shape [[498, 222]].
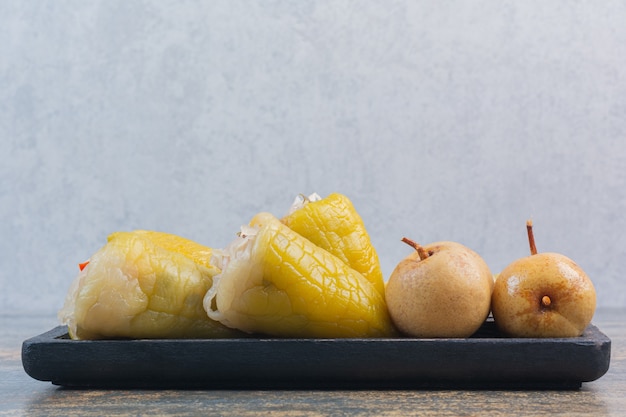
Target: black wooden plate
[[485, 360]]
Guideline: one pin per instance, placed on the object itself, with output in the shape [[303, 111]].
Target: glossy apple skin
[[516, 300], [447, 294]]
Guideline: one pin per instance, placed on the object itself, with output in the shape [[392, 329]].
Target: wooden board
[[486, 360]]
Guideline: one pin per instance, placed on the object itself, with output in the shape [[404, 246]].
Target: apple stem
[[420, 250], [546, 301], [531, 237]]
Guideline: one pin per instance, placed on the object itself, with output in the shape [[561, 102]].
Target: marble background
[[440, 120]]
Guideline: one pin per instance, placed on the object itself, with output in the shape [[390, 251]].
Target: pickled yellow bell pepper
[[143, 284], [198, 253], [276, 282], [333, 223]]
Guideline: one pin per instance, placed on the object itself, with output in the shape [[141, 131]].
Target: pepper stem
[[531, 237], [420, 250]]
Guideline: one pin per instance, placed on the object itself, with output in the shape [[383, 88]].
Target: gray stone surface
[[441, 121]]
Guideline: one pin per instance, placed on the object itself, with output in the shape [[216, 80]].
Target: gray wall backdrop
[[440, 120]]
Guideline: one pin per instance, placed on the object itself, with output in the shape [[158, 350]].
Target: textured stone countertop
[[22, 395]]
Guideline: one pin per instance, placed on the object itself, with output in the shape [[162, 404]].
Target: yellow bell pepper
[[332, 223], [198, 253], [276, 282], [143, 284]]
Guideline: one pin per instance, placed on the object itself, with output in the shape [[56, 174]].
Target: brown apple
[[441, 290], [543, 295]]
